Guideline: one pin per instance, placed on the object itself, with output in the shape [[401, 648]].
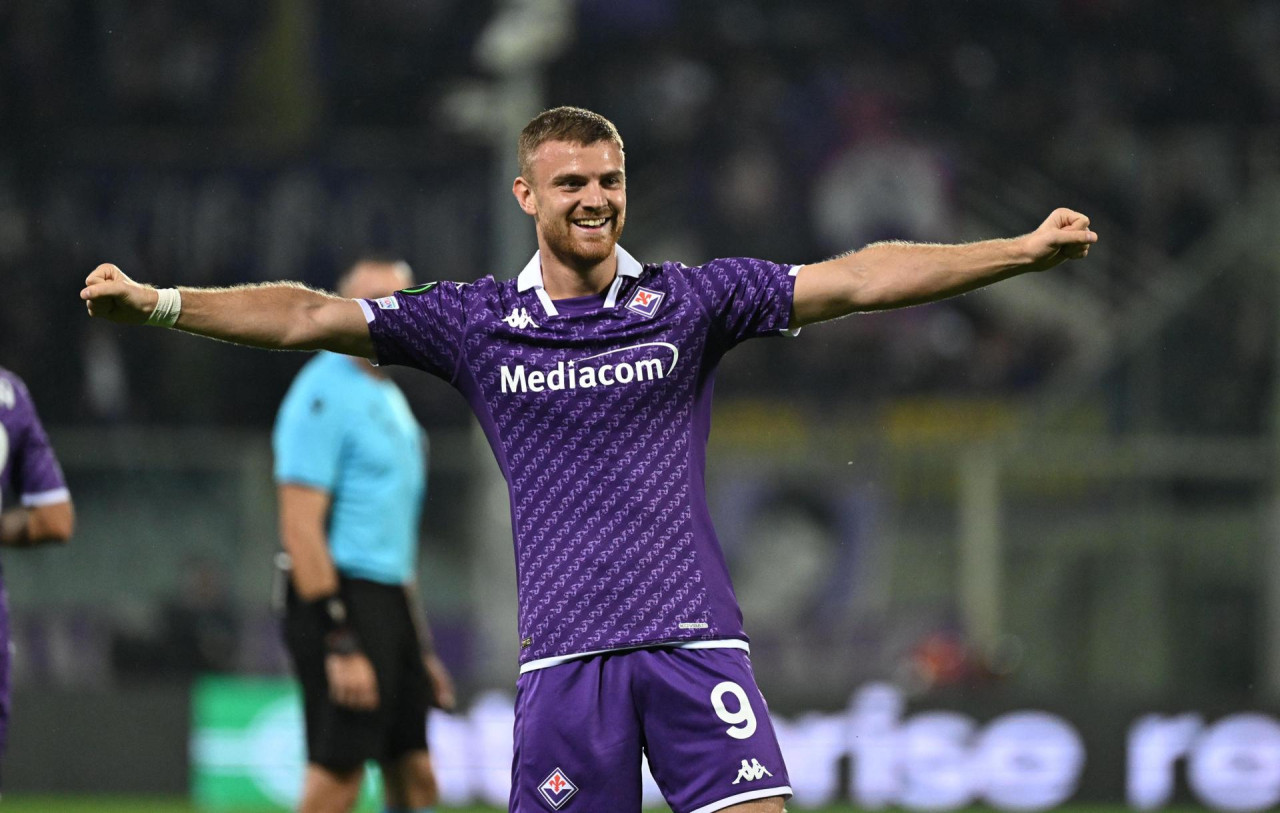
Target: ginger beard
[[576, 240]]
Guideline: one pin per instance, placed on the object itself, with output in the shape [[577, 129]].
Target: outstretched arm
[[282, 316], [894, 275]]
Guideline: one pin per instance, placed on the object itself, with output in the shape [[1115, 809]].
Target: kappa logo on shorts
[[557, 789], [751, 772], [645, 302]]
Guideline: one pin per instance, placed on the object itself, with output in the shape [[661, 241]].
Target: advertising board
[[247, 753]]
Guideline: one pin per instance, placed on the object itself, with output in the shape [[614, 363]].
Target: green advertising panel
[[247, 749]]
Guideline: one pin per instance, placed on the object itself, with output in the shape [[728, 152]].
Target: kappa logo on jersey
[[751, 772], [645, 302], [388, 303], [557, 789], [520, 319]]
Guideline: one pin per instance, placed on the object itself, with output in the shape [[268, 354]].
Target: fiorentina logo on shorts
[[557, 789], [645, 302]]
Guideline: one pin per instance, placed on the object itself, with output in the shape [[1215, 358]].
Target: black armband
[[332, 612], [339, 638]]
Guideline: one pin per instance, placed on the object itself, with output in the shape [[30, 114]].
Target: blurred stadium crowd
[[231, 141], [225, 141]]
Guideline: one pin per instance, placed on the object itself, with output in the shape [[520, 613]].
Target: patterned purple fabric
[[29, 472], [599, 419]]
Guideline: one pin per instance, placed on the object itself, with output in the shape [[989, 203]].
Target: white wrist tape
[[168, 306]]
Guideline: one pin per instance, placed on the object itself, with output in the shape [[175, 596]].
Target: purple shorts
[[581, 727]]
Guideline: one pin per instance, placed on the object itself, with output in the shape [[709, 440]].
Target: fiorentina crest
[[557, 789], [645, 302]]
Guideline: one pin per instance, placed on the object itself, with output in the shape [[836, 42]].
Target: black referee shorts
[[341, 738]]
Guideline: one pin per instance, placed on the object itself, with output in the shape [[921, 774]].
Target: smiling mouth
[[592, 223]]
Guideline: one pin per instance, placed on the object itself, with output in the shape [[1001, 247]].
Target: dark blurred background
[[1055, 490]]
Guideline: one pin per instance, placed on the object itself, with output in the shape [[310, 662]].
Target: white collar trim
[[531, 277]]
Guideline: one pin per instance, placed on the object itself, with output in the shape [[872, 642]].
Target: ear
[[525, 196]]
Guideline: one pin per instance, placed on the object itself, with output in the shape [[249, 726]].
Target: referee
[[350, 475]]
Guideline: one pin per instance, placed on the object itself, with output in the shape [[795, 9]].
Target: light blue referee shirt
[[347, 433]]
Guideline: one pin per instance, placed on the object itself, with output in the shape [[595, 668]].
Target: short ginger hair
[[572, 124]]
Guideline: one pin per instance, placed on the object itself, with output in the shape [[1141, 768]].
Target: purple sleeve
[[422, 327], [36, 476], [745, 297]]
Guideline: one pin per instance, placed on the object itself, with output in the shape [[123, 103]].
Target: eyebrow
[[579, 177]]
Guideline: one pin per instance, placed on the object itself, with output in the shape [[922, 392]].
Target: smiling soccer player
[[631, 638]]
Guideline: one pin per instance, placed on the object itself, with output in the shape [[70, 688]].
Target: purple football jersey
[[29, 472], [598, 410]]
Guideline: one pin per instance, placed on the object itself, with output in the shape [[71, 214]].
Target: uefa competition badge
[[645, 302], [557, 789]]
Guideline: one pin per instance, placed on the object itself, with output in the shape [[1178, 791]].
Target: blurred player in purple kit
[[591, 374], [35, 505]]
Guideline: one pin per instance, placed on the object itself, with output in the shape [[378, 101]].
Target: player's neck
[[566, 280]]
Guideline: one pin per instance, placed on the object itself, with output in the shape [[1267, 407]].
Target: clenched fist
[[1064, 235], [110, 294]]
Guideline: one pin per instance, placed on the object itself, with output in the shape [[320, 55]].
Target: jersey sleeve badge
[[421, 289]]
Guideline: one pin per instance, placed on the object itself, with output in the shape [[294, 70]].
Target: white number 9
[[742, 723]]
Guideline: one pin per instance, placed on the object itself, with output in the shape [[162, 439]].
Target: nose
[[593, 197]]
